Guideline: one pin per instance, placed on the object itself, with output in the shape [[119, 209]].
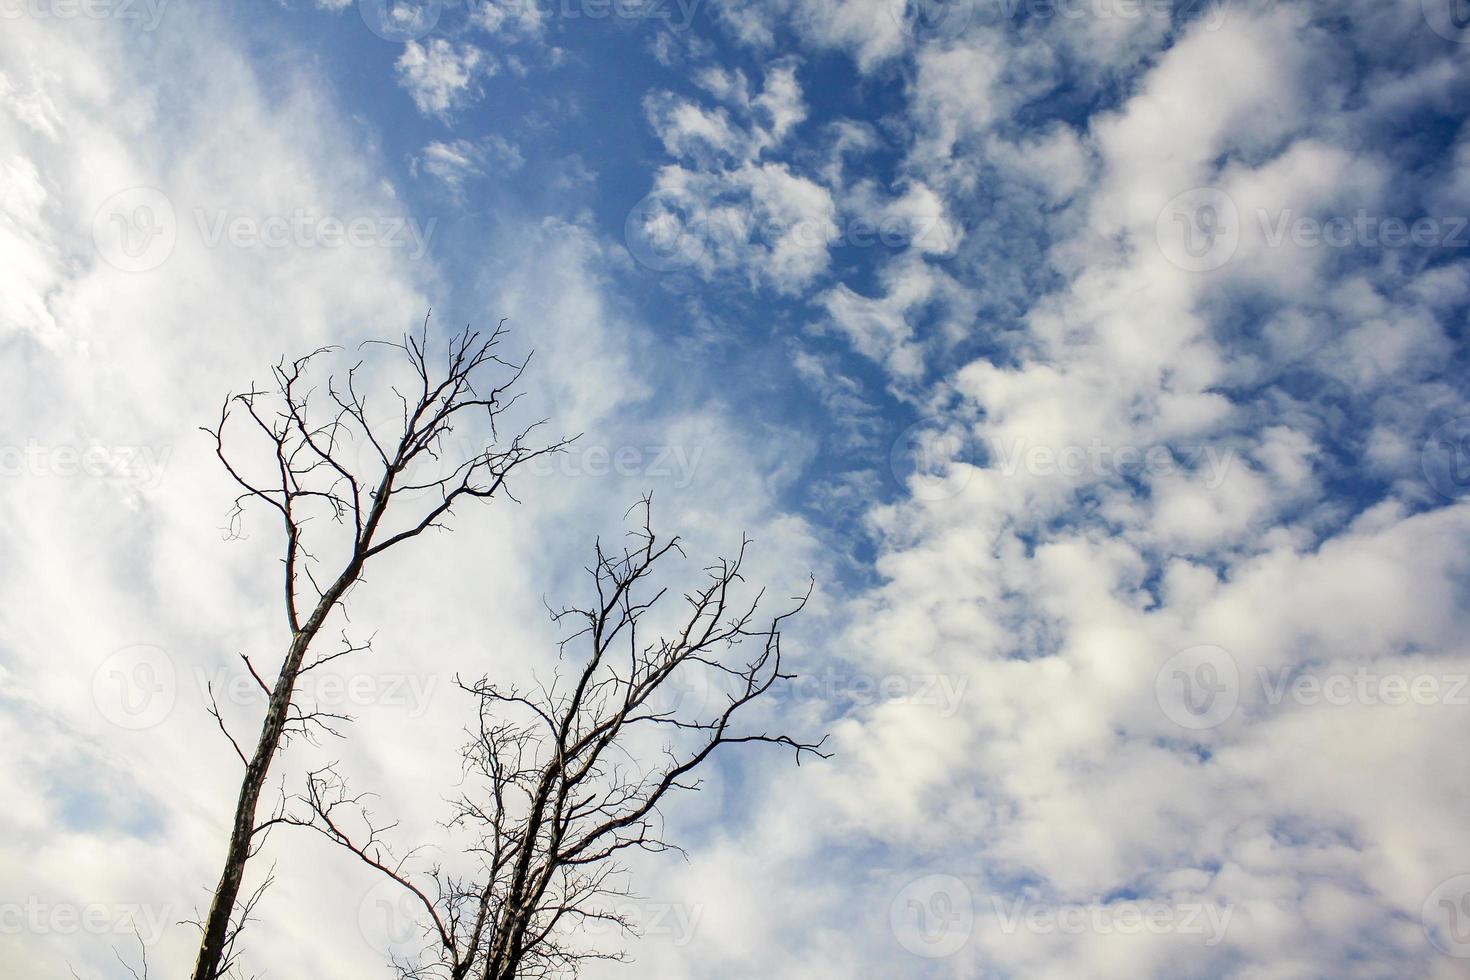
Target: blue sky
[[1103, 360]]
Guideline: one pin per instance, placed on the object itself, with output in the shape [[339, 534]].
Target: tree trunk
[[227, 893]]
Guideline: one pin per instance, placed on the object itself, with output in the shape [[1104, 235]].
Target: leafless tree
[[555, 790], [346, 490]]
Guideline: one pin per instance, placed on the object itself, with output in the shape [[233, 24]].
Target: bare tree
[[555, 790], [377, 486]]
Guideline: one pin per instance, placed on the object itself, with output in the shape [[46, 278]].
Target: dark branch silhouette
[[555, 791], [315, 455]]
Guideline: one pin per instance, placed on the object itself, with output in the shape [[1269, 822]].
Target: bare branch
[[299, 447], [555, 792]]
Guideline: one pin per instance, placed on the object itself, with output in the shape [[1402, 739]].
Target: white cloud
[[762, 222], [455, 161], [870, 30], [441, 76]]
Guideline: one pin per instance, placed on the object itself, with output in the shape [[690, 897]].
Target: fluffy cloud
[[441, 76]]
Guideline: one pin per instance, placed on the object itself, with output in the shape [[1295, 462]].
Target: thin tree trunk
[[227, 892]]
